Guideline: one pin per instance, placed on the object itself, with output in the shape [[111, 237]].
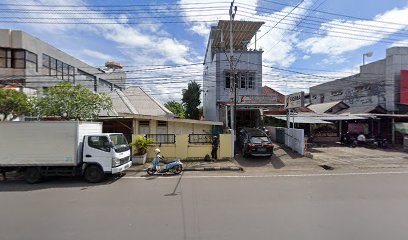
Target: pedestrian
[[214, 150], [3, 172]]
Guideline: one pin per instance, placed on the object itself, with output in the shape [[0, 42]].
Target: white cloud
[[375, 30], [195, 13], [280, 41], [402, 43], [333, 59], [305, 57], [96, 54]]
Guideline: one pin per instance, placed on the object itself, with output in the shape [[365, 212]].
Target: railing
[[162, 138], [200, 138]]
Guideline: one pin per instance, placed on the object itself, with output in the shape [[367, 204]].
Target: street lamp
[[368, 54]]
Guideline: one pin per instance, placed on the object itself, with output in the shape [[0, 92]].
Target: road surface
[[339, 206]]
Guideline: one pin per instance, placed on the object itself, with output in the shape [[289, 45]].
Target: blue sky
[[325, 38]]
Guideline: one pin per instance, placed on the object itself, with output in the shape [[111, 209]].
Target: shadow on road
[[17, 184], [274, 161], [175, 188]]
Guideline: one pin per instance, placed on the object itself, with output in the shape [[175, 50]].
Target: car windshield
[[259, 140], [119, 142]]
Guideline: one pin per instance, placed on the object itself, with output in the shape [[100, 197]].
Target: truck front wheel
[[94, 174], [32, 175]]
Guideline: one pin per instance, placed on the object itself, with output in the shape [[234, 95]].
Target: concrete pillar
[[135, 126]]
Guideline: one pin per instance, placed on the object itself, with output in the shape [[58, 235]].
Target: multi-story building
[[247, 66], [381, 83], [26, 60]]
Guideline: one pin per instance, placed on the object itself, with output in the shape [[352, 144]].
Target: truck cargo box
[[44, 143]]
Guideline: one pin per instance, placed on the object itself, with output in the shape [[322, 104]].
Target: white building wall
[[397, 60], [377, 84], [21, 40]]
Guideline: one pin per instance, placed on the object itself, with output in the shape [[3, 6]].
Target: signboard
[[404, 87], [401, 128], [258, 99], [357, 128], [295, 100]]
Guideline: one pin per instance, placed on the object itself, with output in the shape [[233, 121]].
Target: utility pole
[[232, 12]]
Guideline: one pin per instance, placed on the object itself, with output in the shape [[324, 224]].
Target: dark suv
[[254, 142]]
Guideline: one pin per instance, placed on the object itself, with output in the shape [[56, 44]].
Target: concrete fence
[[292, 137], [182, 149]]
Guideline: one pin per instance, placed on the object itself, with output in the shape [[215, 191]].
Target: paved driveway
[[283, 159], [360, 157]]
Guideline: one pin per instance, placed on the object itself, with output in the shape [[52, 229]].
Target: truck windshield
[[119, 143]]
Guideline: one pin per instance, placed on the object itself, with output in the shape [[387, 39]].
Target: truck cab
[[109, 152]]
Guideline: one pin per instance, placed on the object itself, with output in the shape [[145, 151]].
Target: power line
[[337, 14], [121, 5], [297, 5]]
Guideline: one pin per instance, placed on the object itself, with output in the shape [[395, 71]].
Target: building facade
[[218, 73], [379, 83], [26, 60]]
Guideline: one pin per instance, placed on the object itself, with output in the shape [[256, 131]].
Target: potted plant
[[140, 149]]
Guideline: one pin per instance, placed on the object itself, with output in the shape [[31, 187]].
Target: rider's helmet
[[157, 151]]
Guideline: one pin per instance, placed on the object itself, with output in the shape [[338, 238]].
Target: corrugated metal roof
[[324, 107], [302, 119], [134, 100], [242, 31], [144, 104], [362, 109]]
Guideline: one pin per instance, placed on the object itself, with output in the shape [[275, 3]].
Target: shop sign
[[357, 128], [295, 100], [401, 128]]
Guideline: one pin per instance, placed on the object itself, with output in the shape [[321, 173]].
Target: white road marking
[[270, 176]]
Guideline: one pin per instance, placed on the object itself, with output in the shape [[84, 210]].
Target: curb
[[213, 169]]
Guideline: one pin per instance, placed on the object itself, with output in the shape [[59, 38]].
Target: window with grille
[[251, 80], [162, 138], [227, 79], [243, 80], [18, 60]]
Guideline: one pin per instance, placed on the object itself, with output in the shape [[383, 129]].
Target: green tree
[[191, 100], [13, 104], [71, 102], [176, 108]]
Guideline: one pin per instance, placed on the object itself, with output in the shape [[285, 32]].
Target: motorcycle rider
[[157, 159], [361, 139]]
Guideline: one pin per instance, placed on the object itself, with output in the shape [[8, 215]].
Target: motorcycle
[[174, 166], [350, 141], [382, 142]]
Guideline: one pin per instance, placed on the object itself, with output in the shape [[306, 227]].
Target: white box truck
[[62, 148]]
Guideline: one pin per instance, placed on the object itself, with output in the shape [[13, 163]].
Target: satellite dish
[[369, 54], [113, 65]]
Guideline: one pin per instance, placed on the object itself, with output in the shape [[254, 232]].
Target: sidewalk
[[342, 157], [197, 165]]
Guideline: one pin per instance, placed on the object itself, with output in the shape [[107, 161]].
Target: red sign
[[404, 87], [357, 128]]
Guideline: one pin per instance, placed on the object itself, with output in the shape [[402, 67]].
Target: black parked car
[[254, 142]]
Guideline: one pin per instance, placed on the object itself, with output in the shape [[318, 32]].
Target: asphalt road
[[344, 206]]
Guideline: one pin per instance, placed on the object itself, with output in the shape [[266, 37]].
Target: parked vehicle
[[349, 140], [173, 166], [254, 142], [63, 148]]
